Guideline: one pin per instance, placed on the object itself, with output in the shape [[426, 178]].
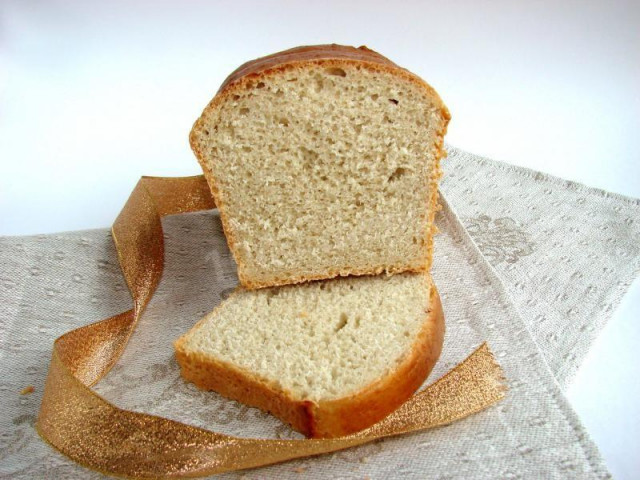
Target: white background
[[95, 95]]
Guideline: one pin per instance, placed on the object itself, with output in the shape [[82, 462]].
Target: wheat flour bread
[[323, 161], [330, 358]]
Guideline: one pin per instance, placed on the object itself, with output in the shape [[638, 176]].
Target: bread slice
[[330, 358], [323, 161]]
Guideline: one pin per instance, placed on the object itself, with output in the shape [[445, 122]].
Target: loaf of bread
[[323, 162], [330, 358]]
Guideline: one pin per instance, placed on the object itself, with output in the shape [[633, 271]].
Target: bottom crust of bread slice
[[330, 358]]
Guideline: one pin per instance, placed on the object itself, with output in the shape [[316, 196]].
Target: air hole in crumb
[[247, 149], [343, 321], [406, 334], [309, 154], [284, 122], [292, 80], [415, 240], [398, 172], [236, 97], [374, 97], [336, 71], [244, 111], [279, 93], [260, 85], [206, 132], [394, 101]]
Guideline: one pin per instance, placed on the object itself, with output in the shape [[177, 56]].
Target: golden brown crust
[[306, 53], [248, 74], [228, 380], [332, 418]]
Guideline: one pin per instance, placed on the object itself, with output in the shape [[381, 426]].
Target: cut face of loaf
[[330, 358], [323, 161]]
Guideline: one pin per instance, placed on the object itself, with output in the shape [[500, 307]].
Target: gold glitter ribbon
[[93, 432]]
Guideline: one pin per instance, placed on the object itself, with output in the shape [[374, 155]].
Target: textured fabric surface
[[534, 265], [51, 284], [566, 253]]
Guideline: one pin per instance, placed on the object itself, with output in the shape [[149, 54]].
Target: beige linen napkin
[[53, 283], [566, 253]]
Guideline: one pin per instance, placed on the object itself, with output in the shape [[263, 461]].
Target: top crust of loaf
[[249, 74], [305, 54], [299, 56]]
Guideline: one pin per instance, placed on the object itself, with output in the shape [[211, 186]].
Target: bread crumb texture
[[320, 340], [324, 168]]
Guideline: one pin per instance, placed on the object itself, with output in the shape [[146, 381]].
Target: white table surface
[[92, 96]]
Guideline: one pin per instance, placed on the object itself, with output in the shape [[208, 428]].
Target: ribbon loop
[[93, 432]]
